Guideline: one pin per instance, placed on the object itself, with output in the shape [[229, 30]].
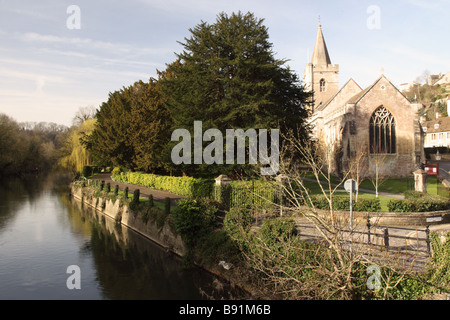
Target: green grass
[[143, 200]]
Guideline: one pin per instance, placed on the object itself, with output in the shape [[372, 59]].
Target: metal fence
[[248, 195], [412, 245]]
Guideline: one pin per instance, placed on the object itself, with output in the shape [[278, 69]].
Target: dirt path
[[158, 195]]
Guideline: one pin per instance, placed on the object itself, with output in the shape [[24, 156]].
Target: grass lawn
[[395, 186], [145, 200]]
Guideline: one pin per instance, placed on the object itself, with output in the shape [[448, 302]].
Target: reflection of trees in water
[[16, 192], [130, 266]]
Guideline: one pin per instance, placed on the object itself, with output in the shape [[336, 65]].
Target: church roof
[[341, 91], [320, 54], [356, 98]]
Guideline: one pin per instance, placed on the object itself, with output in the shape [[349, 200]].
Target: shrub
[[86, 171], [185, 186], [421, 204], [370, 205], [167, 206], [136, 195], [193, 219], [343, 204], [275, 230], [237, 218]]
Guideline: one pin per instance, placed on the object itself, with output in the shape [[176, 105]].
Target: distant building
[[441, 80], [405, 86], [378, 120], [432, 79], [437, 133]]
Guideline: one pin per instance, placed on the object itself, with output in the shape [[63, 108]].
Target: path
[[158, 195], [414, 249]]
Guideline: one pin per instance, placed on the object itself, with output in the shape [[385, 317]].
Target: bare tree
[[291, 265], [358, 165], [376, 170], [83, 114]]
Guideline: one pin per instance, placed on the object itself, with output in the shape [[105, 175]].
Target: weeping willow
[[77, 155]]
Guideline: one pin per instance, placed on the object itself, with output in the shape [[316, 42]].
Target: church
[[376, 125]]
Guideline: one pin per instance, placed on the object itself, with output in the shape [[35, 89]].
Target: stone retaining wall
[[121, 213]]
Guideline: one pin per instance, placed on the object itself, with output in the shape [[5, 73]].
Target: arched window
[[382, 131], [322, 85]]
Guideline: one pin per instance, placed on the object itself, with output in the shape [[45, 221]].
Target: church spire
[[320, 54]]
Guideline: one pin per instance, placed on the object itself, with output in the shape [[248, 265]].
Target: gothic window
[[322, 85], [382, 132]]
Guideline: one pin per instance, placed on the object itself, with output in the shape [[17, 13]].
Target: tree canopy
[[227, 76]]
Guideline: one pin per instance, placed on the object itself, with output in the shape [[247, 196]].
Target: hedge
[[418, 205], [343, 204], [184, 186]]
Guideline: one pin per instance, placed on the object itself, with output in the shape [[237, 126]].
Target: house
[[437, 133]]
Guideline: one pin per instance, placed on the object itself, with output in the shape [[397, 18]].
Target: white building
[[437, 133]]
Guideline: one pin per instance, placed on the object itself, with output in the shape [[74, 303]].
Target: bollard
[[427, 231], [386, 238]]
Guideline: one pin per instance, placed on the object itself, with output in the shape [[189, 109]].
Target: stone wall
[[383, 93], [163, 236]]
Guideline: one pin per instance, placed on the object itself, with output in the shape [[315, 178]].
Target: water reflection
[[130, 266], [43, 231]]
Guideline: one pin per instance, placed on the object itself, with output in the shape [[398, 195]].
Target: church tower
[[320, 75]]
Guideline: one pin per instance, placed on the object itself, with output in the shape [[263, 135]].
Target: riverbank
[[158, 229], [209, 253]]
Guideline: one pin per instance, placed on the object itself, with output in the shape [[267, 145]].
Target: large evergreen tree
[[132, 129], [150, 127], [110, 142], [228, 77]]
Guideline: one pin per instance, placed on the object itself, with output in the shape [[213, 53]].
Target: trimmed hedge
[[418, 202], [418, 205], [343, 204], [184, 186]]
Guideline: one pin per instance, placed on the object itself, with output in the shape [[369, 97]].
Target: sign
[[435, 219], [350, 185]]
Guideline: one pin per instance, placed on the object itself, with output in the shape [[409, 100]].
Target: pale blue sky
[[48, 71]]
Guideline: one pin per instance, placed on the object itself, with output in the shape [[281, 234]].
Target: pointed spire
[[320, 54]]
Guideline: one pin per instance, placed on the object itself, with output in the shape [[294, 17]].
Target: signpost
[[350, 186]]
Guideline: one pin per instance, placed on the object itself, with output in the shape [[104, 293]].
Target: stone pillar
[[420, 180], [223, 188]]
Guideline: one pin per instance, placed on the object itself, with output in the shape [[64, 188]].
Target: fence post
[[427, 231], [386, 238], [368, 230]]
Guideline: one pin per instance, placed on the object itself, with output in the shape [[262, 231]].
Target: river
[[53, 247]]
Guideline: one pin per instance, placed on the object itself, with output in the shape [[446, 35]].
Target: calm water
[[43, 231]]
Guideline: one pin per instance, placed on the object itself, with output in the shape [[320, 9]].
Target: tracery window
[[322, 85], [382, 132]]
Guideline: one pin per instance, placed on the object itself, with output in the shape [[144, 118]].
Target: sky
[[57, 56]]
